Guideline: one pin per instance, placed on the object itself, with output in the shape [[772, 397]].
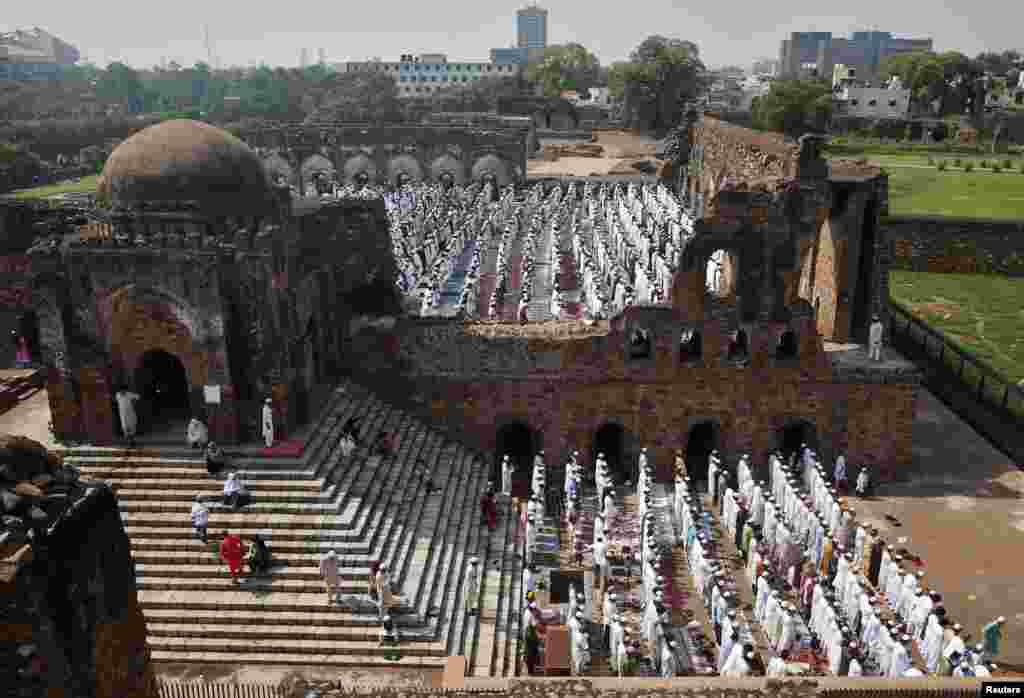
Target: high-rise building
[[532, 28], [806, 54], [34, 54]]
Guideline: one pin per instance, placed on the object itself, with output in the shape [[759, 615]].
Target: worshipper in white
[[268, 424], [126, 411], [472, 586], [196, 433], [875, 332], [669, 662], [506, 476], [233, 491], [200, 518]]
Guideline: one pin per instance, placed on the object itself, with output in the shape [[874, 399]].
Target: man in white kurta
[[126, 411], [875, 332], [268, 424], [472, 586], [899, 661], [196, 434], [506, 476]]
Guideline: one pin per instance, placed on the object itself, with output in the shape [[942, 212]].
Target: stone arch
[[276, 164], [691, 345], [404, 164], [356, 165], [493, 165], [161, 378], [145, 318], [517, 438], [703, 435], [448, 163], [316, 163], [793, 432]]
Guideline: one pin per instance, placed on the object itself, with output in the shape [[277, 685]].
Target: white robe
[[268, 426], [126, 410], [506, 477], [196, 433], [472, 590]]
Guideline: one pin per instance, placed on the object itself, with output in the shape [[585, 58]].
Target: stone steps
[[509, 640], [317, 657], [180, 499], [220, 638], [211, 629], [200, 566], [256, 506], [268, 615], [155, 488], [485, 658]]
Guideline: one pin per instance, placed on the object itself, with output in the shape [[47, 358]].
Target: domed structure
[[184, 160]]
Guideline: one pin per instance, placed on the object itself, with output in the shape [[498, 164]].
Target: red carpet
[[284, 449]]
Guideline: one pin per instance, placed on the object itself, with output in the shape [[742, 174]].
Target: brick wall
[[744, 153], [567, 388], [956, 245]]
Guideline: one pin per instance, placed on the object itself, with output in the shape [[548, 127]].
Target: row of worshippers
[[732, 632], [545, 224], [830, 576], [539, 210]]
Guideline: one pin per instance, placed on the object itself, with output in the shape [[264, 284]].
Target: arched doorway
[[610, 440], [701, 441], [791, 437], [162, 383], [517, 441], [28, 327]]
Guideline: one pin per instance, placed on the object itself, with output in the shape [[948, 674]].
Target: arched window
[[787, 348], [640, 344], [739, 347], [690, 346]]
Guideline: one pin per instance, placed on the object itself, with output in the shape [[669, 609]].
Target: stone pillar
[[65, 412], [280, 394], [97, 406], [222, 417]]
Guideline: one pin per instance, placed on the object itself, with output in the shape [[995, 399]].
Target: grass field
[[917, 188], [85, 185], [982, 313]]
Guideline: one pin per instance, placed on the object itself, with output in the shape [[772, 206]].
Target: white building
[[873, 102], [426, 73]]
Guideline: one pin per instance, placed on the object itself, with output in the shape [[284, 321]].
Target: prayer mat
[[393, 655], [284, 449]]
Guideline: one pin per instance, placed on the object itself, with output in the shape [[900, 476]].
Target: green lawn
[[86, 185], [982, 313], [917, 188]]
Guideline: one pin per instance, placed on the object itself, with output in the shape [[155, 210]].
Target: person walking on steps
[[200, 519], [231, 553]]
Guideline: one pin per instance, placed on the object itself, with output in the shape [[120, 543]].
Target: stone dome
[[184, 160]]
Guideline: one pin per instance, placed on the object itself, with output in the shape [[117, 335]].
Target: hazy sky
[[142, 34]]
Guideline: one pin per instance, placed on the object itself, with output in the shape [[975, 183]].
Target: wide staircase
[[363, 507]]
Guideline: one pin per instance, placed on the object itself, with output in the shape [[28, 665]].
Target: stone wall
[[743, 153], [566, 387], [690, 687], [956, 245], [69, 602], [384, 152]]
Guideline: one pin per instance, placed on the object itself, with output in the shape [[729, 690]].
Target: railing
[[976, 392], [201, 689]]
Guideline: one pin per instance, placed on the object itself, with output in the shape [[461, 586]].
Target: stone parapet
[[851, 364]]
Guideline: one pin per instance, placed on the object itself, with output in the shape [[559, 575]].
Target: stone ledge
[[851, 364]]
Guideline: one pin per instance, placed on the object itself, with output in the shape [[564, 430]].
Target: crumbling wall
[[751, 157], [72, 625]]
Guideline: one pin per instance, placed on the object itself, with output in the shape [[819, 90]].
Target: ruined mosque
[[411, 277], [211, 285]]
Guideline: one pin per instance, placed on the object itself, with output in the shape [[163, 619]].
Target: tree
[[566, 67], [795, 107], [951, 78], [370, 96], [660, 76], [119, 84], [998, 63]]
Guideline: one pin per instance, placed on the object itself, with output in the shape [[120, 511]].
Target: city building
[[34, 54], [532, 27], [855, 97], [810, 54], [767, 66], [418, 75], [509, 56]]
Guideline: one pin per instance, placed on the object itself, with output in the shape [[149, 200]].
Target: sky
[[728, 33]]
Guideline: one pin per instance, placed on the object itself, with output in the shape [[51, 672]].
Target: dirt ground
[[962, 513], [621, 148]]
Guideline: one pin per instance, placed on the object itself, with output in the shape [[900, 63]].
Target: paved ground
[[620, 149]]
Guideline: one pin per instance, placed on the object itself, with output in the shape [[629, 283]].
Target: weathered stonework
[[68, 590], [956, 245], [384, 153]]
